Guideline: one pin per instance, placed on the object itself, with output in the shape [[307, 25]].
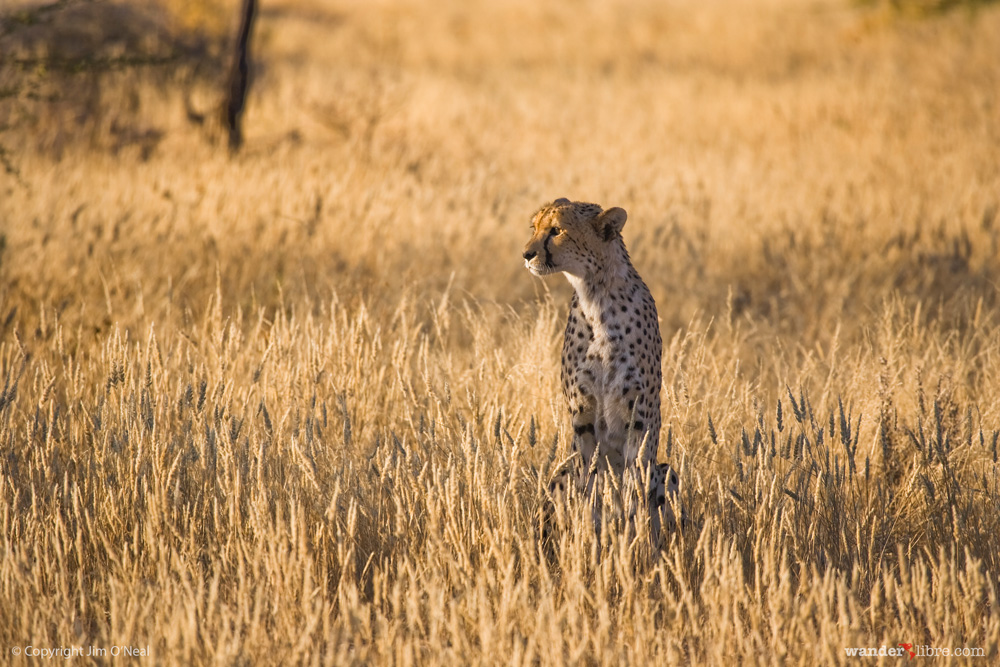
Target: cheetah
[[611, 353]]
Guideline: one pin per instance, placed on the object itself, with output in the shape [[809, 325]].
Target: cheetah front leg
[[642, 483], [576, 471], [585, 442], [584, 445], [578, 385]]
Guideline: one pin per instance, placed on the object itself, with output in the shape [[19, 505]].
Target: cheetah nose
[[529, 255]]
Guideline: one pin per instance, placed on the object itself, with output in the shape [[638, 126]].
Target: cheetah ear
[[560, 201], [609, 223]]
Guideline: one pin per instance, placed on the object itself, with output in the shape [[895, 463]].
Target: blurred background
[[791, 162]]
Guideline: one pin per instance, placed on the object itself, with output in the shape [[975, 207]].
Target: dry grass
[[296, 406]]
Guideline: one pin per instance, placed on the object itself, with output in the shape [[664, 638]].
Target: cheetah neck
[[595, 291]]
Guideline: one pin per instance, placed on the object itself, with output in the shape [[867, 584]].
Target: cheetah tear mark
[[548, 253]]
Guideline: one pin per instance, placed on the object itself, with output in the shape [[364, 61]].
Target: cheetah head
[[572, 238]]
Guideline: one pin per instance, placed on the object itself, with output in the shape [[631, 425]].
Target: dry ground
[[298, 405]]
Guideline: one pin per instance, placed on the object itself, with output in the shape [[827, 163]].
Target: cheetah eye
[[555, 231]]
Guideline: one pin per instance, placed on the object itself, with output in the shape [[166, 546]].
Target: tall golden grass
[[299, 406]]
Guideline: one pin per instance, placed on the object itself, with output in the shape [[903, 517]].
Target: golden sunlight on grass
[[299, 405]]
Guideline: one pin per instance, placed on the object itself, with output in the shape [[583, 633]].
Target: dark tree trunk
[[239, 77]]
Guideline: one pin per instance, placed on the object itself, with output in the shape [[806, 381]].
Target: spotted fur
[[611, 350]]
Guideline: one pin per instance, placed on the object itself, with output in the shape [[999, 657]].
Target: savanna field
[[299, 404]]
